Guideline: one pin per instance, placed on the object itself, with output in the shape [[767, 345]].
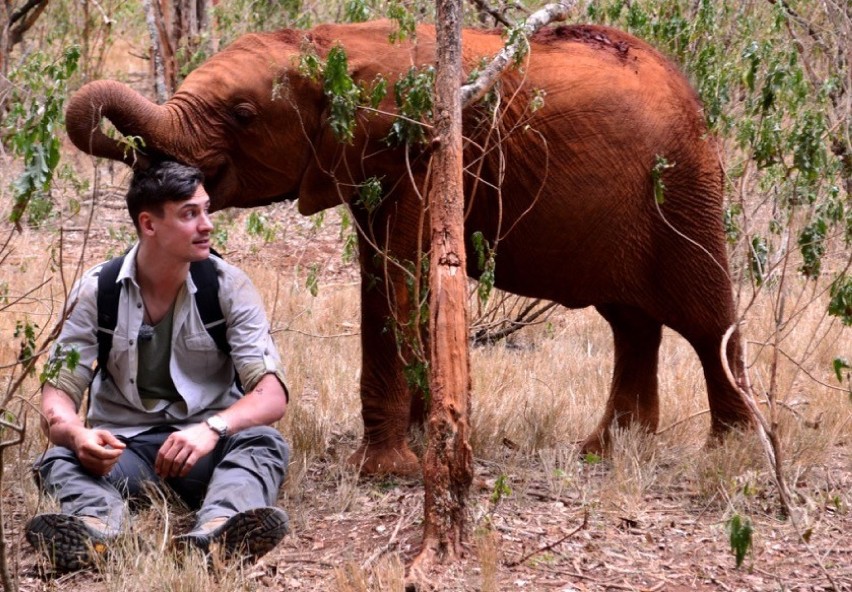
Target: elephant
[[589, 169]]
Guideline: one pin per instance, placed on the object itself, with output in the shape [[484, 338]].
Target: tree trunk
[[14, 23], [157, 67], [5, 50], [176, 28], [448, 463]]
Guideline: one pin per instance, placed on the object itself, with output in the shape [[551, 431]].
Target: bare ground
[[533, 539]]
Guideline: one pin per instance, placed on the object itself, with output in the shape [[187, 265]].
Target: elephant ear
[[328, 179], [321, 188]]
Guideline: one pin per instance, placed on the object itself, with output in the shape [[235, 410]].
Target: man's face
[[183, 231]]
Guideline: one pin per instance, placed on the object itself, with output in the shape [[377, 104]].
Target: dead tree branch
[[528, 316], [552, 545], [472, 92], [8, 582]]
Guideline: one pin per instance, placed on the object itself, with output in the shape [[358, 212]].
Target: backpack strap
[[108, 291], [206, 281]]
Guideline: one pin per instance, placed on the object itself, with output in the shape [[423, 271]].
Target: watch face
[[217, 424]]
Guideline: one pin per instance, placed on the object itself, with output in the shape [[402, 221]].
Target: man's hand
[[182, 450], [97, 450]]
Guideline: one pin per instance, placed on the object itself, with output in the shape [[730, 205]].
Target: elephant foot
[[385, 460], [596, 443], [719, 432]]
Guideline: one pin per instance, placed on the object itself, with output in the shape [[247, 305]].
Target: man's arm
[[97, 450], [263, 405]]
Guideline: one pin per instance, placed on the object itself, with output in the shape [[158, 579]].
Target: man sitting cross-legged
[[166, 407]]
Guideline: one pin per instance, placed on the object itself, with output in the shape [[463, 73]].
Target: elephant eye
[[245, 112]]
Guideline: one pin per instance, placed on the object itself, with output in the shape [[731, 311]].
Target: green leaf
[[312, 281], [501, 489], [590, 458], [759, 257], [414, 95], [486, 264], [740, 537], [660, 166], [812, 247], [404, 17], [37, 97], [343, 93], [840, 304], [356, 11], [370, 194], [840, 364]]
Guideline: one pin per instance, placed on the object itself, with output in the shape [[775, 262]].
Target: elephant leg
[[727, 408], [633, 397], [386, 400]]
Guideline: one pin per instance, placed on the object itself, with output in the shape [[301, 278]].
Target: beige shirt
[[202, 374]]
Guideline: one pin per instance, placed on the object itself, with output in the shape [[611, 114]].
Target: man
[[167, 407]]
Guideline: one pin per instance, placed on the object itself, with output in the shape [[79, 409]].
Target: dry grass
[[657, 509]]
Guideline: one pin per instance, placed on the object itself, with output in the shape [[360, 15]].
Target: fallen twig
[[552, 545]]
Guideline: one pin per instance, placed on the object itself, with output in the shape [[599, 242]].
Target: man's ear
[[146, 224]]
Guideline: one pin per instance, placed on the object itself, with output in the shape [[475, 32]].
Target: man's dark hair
[[162, 182]]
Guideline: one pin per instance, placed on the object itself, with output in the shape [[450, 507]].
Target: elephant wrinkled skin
[[565, 191]]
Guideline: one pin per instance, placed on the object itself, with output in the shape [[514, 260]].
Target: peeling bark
[[158, 69], [176, 28], [448, 463]]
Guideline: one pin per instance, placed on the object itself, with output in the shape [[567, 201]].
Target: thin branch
[[20, 430], [681, 421], [485, 8], [811, 376], [27, 18], [764, 430], [23, 10], [484, 336]]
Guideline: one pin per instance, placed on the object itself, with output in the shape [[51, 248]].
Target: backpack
[[206, 299]]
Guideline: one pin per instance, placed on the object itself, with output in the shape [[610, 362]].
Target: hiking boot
[[71, 542], [246, 536]]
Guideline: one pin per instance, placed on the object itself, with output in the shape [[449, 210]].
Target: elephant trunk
[[130, 113]]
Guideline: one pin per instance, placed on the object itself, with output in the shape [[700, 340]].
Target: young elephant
[[562, 164]]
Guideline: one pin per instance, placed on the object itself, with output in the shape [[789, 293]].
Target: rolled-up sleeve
[[253, 350], [77, 341]]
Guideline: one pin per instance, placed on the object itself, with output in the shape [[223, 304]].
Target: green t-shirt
[[153, 377]]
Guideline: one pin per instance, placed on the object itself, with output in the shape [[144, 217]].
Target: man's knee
[[262, 439], [52, 458]]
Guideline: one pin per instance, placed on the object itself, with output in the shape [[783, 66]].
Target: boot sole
[[66, 540], [251, 534], [246, 536]]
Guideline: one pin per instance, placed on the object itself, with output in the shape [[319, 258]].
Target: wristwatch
[[218, 425]]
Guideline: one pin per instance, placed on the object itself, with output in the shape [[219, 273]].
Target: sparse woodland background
[[663, 513]]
